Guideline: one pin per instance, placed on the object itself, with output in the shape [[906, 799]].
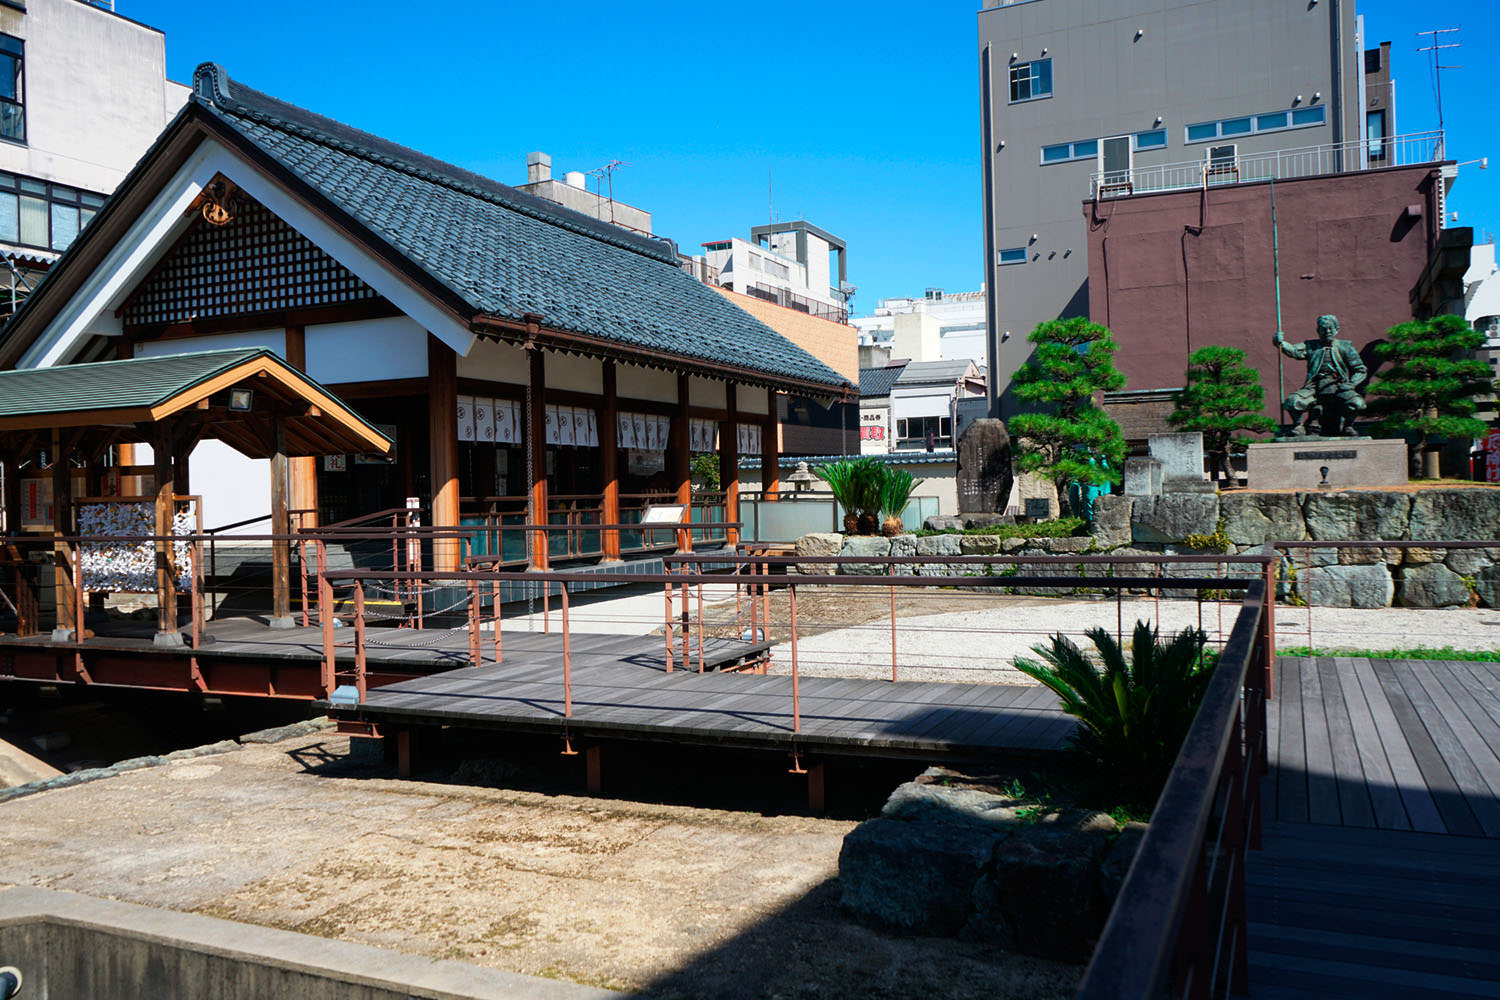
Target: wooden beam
[[304, 469], [442, 432], [680, 455], [729, 459], [62, 525], [536, 440], [281, 551], [166, 578], [770, 451], [609, 446]]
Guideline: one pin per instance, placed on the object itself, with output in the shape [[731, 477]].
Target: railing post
[[700, 620], [79, 632], [302, 561], [474, 642], [669, 624], [567, 657], [893, 627], [796, 694], [359, 638], [495, 596], [325, 618]]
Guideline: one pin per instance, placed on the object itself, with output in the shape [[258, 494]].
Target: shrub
[[1132, 715], [855, 484], [895, 490]]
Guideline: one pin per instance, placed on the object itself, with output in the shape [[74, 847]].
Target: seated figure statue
[[1331, 392]]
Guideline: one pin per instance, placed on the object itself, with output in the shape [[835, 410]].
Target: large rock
[[1487, 585], [1358, 515], [1172, 517], [865, 545], [942, 545], [1468, 514], [1118, 859], [984, 470], [904, 545], [1368, 586], [987, 520], [979, 545], [1042, 894], [1112, 519], [974, 808], [820, 543], [1432, 585], [1471, 562], [914, 878], [1067, 545], [943, 522], [1256, 518]]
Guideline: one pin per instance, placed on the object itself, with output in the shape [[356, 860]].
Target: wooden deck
[[1380, 870], [620, 691]]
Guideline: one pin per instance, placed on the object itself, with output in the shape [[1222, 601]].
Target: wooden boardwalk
[[1380, 869], [620, 690]]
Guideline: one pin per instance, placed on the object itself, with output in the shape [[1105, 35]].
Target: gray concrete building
[[1083, 100]]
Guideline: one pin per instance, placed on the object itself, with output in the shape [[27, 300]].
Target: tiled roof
[[877, 382], [935, 371], [915, 457], [110, 385], [504, 253]]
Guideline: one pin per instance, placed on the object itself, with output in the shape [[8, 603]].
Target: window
[[1062, 152], [1375, 134], [47, 216], [12, 90], [1151, 140], [1270, 121], [1030, 80], [1013, 255], [923, 432], [721, 245]]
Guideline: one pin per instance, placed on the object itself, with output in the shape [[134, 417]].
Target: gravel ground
[[979, 645]]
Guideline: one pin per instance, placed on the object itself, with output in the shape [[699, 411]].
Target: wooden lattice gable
[[254, 263]]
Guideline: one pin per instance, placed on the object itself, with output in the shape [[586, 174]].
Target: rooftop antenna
[[770, 202], [606, 176], [1437, 67]]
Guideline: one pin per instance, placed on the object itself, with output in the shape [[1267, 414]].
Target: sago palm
[[1132, 715]]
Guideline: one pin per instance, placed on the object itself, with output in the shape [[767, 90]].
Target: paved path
[[1379, 874]]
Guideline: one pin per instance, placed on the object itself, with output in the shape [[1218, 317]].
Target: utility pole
[[1437, 67]]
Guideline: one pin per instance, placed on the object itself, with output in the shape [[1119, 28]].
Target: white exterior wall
[[96, 93], [959, 318], [876, 415], [744, 264], [367, 350]]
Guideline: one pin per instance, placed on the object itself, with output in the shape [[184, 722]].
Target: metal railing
[[1282, 164], [801, 303]]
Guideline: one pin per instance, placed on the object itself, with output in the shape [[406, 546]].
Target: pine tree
[[1428, 391], [1222, 397], [1072, 441]]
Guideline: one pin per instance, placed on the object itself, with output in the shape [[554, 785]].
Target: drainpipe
[[1336, 92]]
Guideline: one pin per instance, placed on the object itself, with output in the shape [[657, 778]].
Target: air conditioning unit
[[1221, 161]]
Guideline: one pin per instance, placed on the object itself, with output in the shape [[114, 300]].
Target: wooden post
[[442, 430], [166, 577], [304, 468], [609, 444], [281, 524], [770, 451], [62, 552], [729, 460], [680, 446], [536, 440], [10, 492]]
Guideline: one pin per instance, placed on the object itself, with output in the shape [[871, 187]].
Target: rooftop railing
[[1281, 164]]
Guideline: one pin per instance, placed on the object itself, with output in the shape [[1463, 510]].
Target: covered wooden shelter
[[75, 418]]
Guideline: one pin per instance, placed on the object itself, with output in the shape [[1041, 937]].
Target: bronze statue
[[1334, 371]]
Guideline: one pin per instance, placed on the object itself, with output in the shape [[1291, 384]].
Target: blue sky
[[864, 115]]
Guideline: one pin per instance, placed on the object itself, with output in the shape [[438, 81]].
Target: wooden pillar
[[680, 447], [10, 492], [166, 577], [442, 434], [770, 450], [304, 468], [729, 459], [281, 524], [536, 441], [62, 552], [609, 444]]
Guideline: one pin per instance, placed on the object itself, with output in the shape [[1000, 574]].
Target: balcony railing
[[1281, 164]]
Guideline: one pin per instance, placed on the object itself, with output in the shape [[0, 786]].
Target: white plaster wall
[[367, 350], [271, 340], [96, 93], [646, 383], [939, 479], [575, 374], [707, 392], [496, 362], [752, 399]]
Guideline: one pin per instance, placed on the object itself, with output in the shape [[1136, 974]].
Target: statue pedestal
[[1311, 463]]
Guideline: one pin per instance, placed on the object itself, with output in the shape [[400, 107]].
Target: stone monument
[[984, 469], [1181, 458], [1324, 451]]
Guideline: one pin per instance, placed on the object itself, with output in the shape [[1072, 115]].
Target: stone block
[[1370, 556], [1432, 585], [1256, 518], [1013, 544], [904, 545], [1421, 555], [942, 545], [1324, 463], [1171, 518], [1471, 562], [865, 545], [1112, 519], [943, 522], [1142, 477], [1180, 455], [987, 520], [821, 543], [963, 807], [1368, 586], [1472, 514], [979, 545], [1065, 545], [1357, 515], [1118, 859], [984, 476], [1487, 585], [913, 878], [1042, 893]]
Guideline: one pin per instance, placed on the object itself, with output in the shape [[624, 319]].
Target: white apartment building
[[949, 326], [793, 264], [83, 93]]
